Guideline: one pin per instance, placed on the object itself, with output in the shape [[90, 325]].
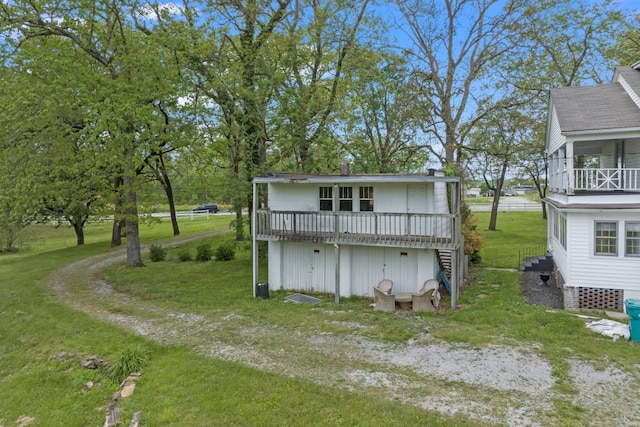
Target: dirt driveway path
[[496, 384]]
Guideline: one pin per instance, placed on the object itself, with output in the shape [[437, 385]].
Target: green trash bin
[[633, 311]]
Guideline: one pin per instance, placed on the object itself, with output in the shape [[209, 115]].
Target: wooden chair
[[383, 301], [423, 301]]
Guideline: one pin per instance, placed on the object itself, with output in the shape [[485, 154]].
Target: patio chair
[[423, 301], [385, 286], [435, 296], [383, 301]]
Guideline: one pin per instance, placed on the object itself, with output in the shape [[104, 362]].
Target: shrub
[[132, 359], [226, 252], [157, 253], [184, 255], [204, 252]]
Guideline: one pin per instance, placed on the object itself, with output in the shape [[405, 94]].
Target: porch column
[[553, 171], [569, 159]]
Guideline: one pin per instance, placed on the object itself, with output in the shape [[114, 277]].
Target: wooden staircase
[[538, 263], [444, 260]]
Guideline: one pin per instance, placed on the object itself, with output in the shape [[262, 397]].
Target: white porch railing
[[362, 228], [606, 179]]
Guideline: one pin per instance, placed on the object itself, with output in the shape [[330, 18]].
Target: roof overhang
[[355, 179], [602, 134], [593, 207]]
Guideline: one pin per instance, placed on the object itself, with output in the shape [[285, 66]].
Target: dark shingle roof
[[605, 106]]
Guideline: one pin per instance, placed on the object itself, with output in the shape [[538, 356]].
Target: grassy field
[[42, 340]]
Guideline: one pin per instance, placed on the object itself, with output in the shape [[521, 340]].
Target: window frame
[[365, 195], [599, 236], [345, 199], [628, 239], [326, 198]]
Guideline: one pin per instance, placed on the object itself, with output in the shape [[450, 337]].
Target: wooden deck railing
[[607, 179], [366, 228]]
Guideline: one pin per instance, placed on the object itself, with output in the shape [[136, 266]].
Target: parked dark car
[[210, 207]]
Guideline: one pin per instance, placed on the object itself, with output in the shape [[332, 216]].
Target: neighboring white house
[[343, 234], [593, 148], [472, 192]]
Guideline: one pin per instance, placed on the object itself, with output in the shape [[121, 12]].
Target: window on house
[[606, 235], [563, 230], [326, 198], [366, 199], [346, 199], [560, 228], [632, 231]]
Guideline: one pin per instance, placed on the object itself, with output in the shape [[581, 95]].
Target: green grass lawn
[[515, 230], [43, 340]]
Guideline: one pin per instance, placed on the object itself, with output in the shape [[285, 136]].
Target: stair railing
[[531, 252]]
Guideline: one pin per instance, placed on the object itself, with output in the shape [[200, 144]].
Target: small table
[[405, 300]]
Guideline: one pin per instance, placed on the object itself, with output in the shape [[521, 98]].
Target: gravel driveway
[[495, 384]]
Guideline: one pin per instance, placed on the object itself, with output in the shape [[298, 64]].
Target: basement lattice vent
[[600, 299]]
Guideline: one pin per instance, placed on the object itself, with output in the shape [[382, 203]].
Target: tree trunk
[[239, 225], [79, 229], [134, 257], [168, 189], [496, 197], [116, 231]]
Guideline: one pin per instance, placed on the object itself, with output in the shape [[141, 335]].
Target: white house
[[593, 149], [343, 234]]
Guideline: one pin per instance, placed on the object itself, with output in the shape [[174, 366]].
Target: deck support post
[[337, 247], [254, 240]]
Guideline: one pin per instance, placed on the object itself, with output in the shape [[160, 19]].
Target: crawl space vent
[[303, 298]]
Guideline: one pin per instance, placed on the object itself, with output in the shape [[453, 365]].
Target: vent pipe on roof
[[344, 168]]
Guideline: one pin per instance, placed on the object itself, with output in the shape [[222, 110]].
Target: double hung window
[[606, 238], [326, 198], [632, 244], [366, 199], [346, 199]]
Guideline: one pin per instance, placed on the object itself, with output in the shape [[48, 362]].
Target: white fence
[[507, 207], [179, 214]]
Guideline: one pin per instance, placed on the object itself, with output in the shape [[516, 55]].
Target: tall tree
[[384, 110], [456, 43], [44, 127], [225, 44], [495, 145], [318, 44], [129, 77]]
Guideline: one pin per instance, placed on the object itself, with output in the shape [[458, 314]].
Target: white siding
[[559, 254], [368, 268], [608, 157], [290, 197], [275, 265], [589, 270], [391, 197], [407, 268], [556, 139], [632, 154], [632, 94], [308, 267]]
